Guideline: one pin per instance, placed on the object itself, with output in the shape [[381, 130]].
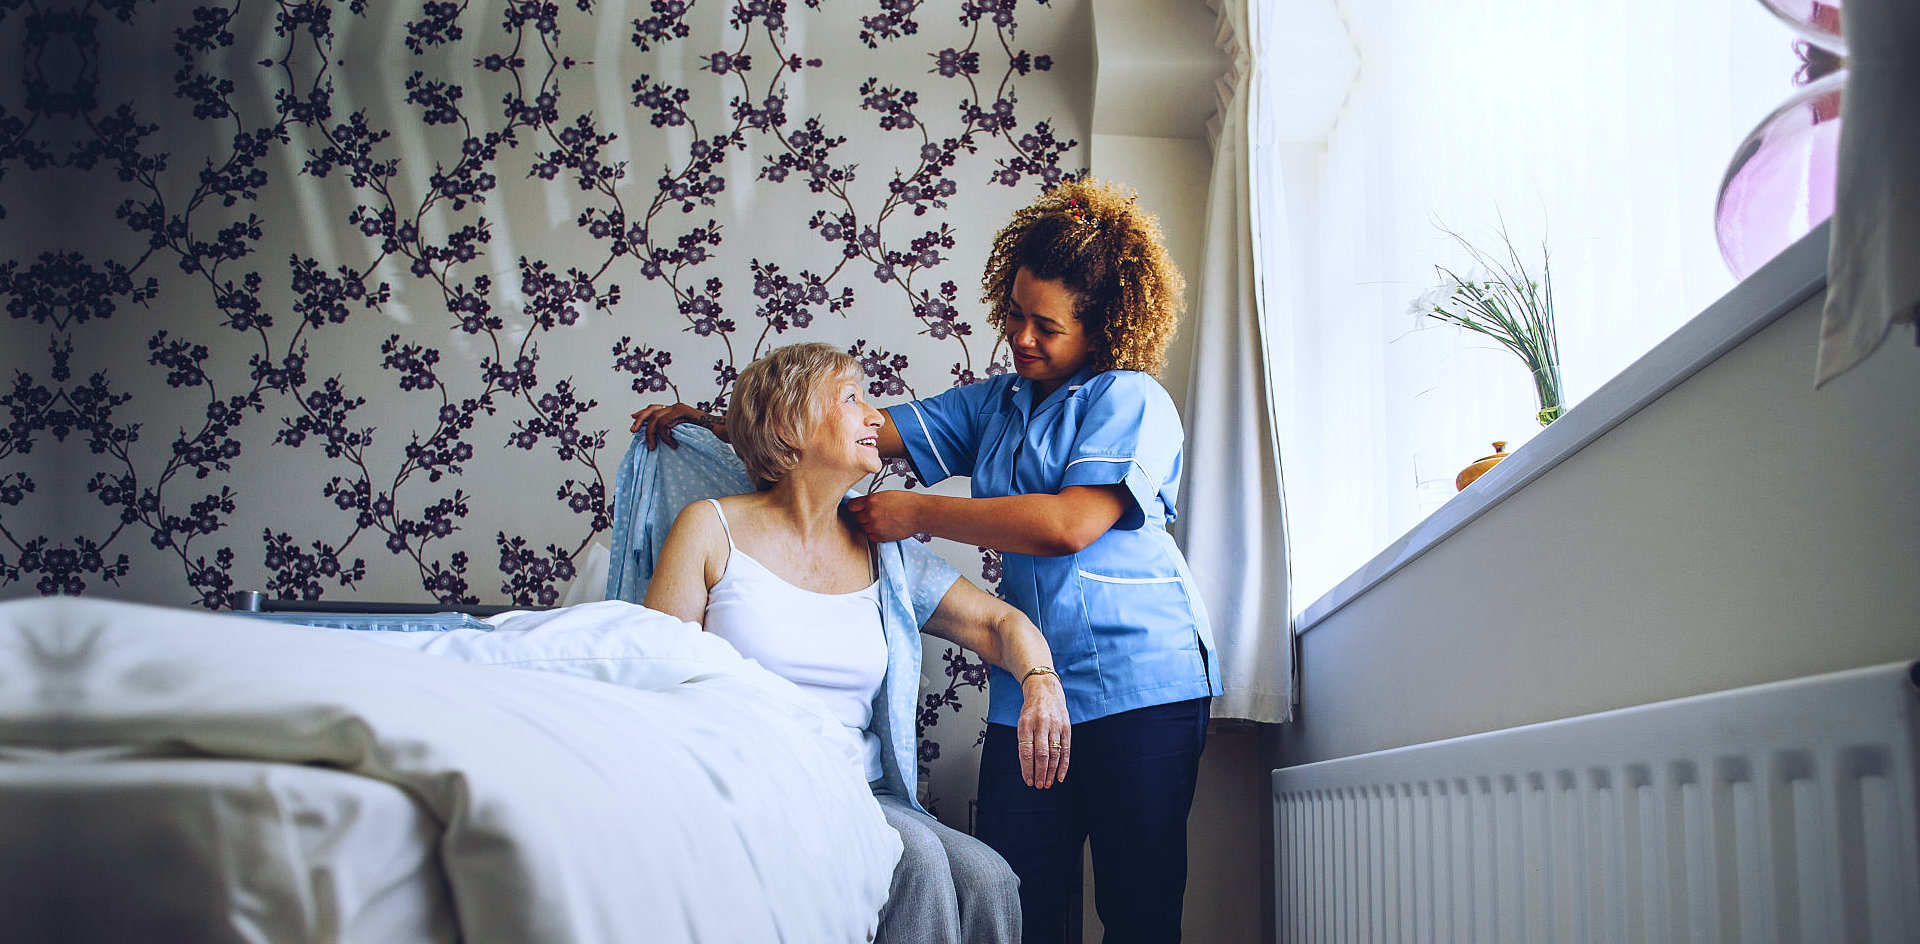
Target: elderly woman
[[786, 575]]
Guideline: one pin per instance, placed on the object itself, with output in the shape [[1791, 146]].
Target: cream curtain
[[1873, 261], [1233, 524]]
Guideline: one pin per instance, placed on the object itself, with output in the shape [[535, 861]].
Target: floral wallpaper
[[338, 298]]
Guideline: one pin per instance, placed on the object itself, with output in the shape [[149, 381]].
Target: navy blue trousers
[[1129, 787]]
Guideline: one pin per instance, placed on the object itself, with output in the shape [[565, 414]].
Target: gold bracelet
[[1038, 670]]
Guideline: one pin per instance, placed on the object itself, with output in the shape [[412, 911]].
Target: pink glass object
[[1817, 21], [1780, 183]]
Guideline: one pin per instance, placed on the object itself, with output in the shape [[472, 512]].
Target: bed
[[599, 773]]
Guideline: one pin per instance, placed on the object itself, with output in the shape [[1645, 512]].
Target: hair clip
[[1079, 213]]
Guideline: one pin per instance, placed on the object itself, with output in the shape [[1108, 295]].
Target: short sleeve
[[1129, 435], [929, 577], [942, 432]]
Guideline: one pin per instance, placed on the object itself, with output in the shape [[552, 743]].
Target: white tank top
[[829, 644]]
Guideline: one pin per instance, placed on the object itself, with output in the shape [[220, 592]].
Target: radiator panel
[[1778, 814]]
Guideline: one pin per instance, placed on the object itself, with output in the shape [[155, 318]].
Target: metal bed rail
[[256, 601]]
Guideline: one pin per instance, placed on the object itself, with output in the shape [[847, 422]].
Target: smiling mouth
[[869, 441]]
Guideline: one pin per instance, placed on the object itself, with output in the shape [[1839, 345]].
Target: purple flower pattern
[[314, 391]]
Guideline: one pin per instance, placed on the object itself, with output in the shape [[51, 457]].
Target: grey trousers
[[948, 887]]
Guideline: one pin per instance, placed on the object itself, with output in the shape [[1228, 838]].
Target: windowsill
[[1780, 286]]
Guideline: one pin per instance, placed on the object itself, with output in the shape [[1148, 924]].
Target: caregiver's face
[[849, 428], [1048, 341]]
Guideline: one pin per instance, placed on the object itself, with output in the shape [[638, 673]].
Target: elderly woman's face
[[1048, 342], [848, 432]]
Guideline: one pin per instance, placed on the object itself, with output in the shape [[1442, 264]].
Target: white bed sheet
[[215, 851], [699, 799]]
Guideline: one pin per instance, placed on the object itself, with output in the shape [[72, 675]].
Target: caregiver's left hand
[[892, 515]]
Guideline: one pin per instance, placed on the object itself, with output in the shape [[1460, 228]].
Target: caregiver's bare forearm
[[1038, 524], [891, 445]]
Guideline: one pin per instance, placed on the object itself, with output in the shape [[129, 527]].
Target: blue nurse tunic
[[1123, 617]]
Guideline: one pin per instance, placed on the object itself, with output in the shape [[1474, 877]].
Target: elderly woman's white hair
[[776, 403]]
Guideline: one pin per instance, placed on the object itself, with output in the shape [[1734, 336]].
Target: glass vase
[[1547, 389], [1780, 184], [1817, 21]]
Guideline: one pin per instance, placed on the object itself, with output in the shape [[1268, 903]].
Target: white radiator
[[1778, 814]]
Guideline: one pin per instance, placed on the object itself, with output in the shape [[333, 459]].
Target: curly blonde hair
[[1094, 237], [777, 402]]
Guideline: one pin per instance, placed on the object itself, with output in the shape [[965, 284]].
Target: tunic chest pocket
[[1038, 450]]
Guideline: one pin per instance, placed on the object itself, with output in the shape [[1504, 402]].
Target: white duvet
[[602, 773]]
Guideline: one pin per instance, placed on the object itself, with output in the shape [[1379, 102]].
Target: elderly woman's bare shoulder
[[699, 521], [700, 517]]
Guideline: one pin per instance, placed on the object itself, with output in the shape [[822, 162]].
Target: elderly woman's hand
[[1045, 733], [658, 418]]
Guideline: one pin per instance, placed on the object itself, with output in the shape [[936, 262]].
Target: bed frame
[[256, 601]]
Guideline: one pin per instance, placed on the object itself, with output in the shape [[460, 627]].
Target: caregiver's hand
[[658, 418], [1045, 735], [892, 515]]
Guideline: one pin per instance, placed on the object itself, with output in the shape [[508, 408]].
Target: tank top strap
[[723, 523]]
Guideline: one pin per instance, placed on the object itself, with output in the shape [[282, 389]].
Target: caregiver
[[1074, 463]]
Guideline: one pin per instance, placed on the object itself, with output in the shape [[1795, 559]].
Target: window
[[1602, 129]]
